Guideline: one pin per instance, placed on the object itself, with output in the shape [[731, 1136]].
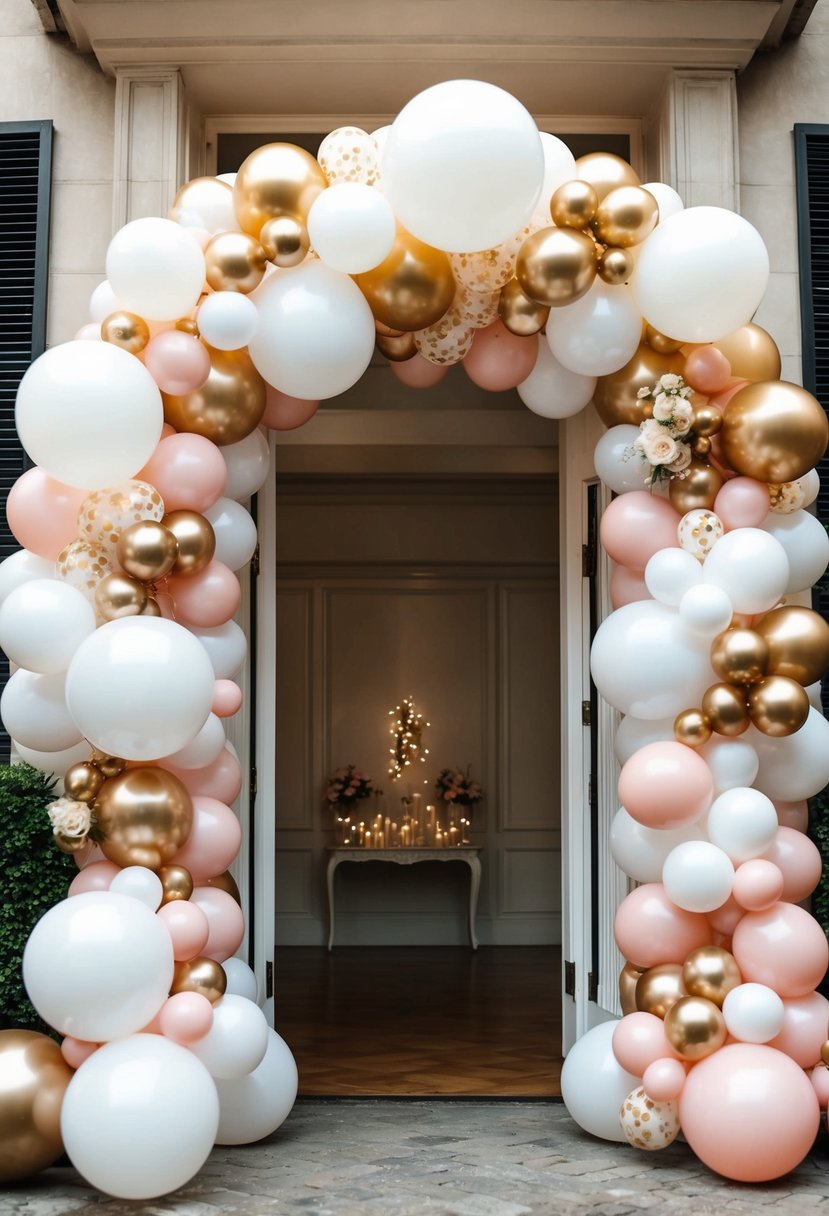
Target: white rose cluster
[[69, 818], [661, 437]]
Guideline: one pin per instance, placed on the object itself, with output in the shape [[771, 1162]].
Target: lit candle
[[454, 835], [353, 839], [362, 832], [438, 837], [367, 840], [395, 836], [405, 835]]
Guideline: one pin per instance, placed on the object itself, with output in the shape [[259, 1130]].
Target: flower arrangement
[[458, 788], [349, 785], [72, 823], [664, 438]]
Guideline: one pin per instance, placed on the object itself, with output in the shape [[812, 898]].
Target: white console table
[[470, 854]]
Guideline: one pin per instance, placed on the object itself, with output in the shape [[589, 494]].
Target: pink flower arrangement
[[349, 785], [458, 788]]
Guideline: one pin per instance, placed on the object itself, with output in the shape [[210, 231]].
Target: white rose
[[682, 459], [651, 427], [683, 416], [660, 449], [69, 818], [670, 380], [643, 392], [663, 408]]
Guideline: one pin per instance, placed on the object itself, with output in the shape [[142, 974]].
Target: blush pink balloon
[[418, 372], [783, 948], [757, 885], [720, 400], [799, 861], [186, 1017], [94, 877], [88, 856], [742, 503], [793, 815], [188, 471], [187, 925], [227, 698], [221, 780], [224, 916], [805, 1029], [637, 525], [819, 1076], [707, 370], [178, 362], [651, 930], [43, 513], [724, 920], [749, 1112], [638, 1040], [498, 359], [664, 1079], [214, 840], [665, 785], [75, 1051], [627, 586], [284, 413], [206, 599]]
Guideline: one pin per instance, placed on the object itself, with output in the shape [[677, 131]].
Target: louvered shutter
[[25, 187]]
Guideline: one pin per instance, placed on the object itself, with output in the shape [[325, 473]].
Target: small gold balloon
[[696, 488], [227, 407], [285, 241], [574, 204], [710, 972], [176, 882], [692, 728], [81, 782], [147, 550], [234, 261], [397, 349], [725, 707], [778, 706], [151, 608], [386, 330], [615, 266], [225, 882], [118, 595], [660, 342], [824, 1052], [615, 396], [412, 287], [201, 975], [145, 815], [707, 420], [127, 330], [195, 541], [186, 325], [798, 642], [701, 446], [774, 431], [70, 844], [659, 989], [740, 656], [33, 1080], [520, 314], [276, 179], [556, 266], [628, 979], [695, 1028], [626, 216], [752, 353], [110, 766], [605, 172]]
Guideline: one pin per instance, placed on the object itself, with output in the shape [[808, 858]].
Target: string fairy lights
[[407, 732]]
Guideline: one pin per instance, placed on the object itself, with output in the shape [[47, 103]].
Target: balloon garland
[[477, 241]]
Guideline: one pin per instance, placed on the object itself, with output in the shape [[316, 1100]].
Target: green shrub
[[34, 875]]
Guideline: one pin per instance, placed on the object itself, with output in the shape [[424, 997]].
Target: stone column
[[691, 138], [150, 141]]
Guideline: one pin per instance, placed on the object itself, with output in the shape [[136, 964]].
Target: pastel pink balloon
[[805, 1029], [638, 1040], [188, 471], [707, 370], [724, 920], [75, 1051], [187, 925], [757, 885], [95, 877], [799, 861], [783, 948], [224, 916], [88, 856], [206, 599], [819, 1077], [43, 513], [651, 930], [227, 698], [186, 1017], [498, 359], [222, 779], [742, 503], [167, 430], [214, 840], [664, 1079], [418, 372], [637, 525], [749, 1112], [665, 785], [793, 815], [178, 362], [284, 413], [721, 399], [627, 586]]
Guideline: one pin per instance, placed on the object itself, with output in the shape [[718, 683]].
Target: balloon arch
[[459, 234]]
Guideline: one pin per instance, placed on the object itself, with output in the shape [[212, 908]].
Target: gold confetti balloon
[[83, 565], [698, 532], [649, 1125], [105, 514], [349, 154]]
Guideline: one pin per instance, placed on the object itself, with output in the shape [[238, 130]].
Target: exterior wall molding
[[693, 139], [151, 123]]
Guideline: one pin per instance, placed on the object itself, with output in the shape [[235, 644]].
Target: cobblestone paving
[[407, 1158]]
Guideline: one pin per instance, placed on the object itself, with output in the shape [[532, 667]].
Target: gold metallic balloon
[[752, 353], [701, 446], [195, 540], [740, 656], [276, 179], [234, 261], [574, 204], [186, 325], [824, 1052], [695, 1028], [725, 707], [520, 314], [224, 882], [412, 288], [127, 330], [82, 781], [285, 241], [118, 595], [70, 844], [110, 766], [626, 216], [615, 395], [778, 706], [698, 486], [386, 331], [398, 348], [774, 431], [628, 979], [147, 550], [227, 407], [145, 815], [176, 882], [798, 642], [201, 975], [660, 342], [692, 728], [605, 172], [707, 420], [710, 972], [615, 266], [151, 607], [659, 988], [33, 1080], [556, 266]]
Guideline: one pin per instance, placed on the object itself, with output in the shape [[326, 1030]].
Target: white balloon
[[753, 1013], [706, 609], [247, 465], [22, 567], [140, 687], [98, 966], [796, 766], [42, 623], [256, 1105], [226, 647], [230, 178], [235, 532], [697, 876], [810, 485], [553, 391], [667, 199], [351, 227], [380, 135], [35, 712], [633, 733], [236, 1042], [204, 748], [103, 302], [733, 762], [139, 883], [620, 466], [815, 693], [750, 566], [241, 980], [315, 336], [89, 414], [743, 823], [594, 1085], [671, 573], [806, 545], [54, 763], [463, 166], [559, 167], [227, 320], [139, 1117], [641, 852], [155, 268], [723, 268], [212, 202], [597, 334]]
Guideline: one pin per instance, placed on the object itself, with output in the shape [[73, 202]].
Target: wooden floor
[[421, 1020]]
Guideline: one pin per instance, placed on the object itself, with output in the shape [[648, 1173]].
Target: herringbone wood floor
[[421, 1020]]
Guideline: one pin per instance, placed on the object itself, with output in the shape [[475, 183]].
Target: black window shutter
[[25, 190]]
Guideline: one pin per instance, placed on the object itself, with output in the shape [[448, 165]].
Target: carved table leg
[[474, 888], [332, 865]]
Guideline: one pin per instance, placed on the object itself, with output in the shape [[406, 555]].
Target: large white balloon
[[54, 763], [463, 165], [743, 823], [597, 334], [256, 1105], [750, 566], [155, 269], [733, 762], [753, 1013], [670, 573], [42, 623], [559, 167], [241, 979], [633, 733], [706, 609], [35, 712], [226, 647], [619, 464], [98, 966], [235, 532], [236, 1042], [316, 333], [642, 852], [227, 320], [697, 876], [552, 390], [140, 687], [89, 414], [351, 227], [806, 544], [594, 1085], [796, 766], [247, 465], [701, 274], [22, 567], [139, 1117]]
